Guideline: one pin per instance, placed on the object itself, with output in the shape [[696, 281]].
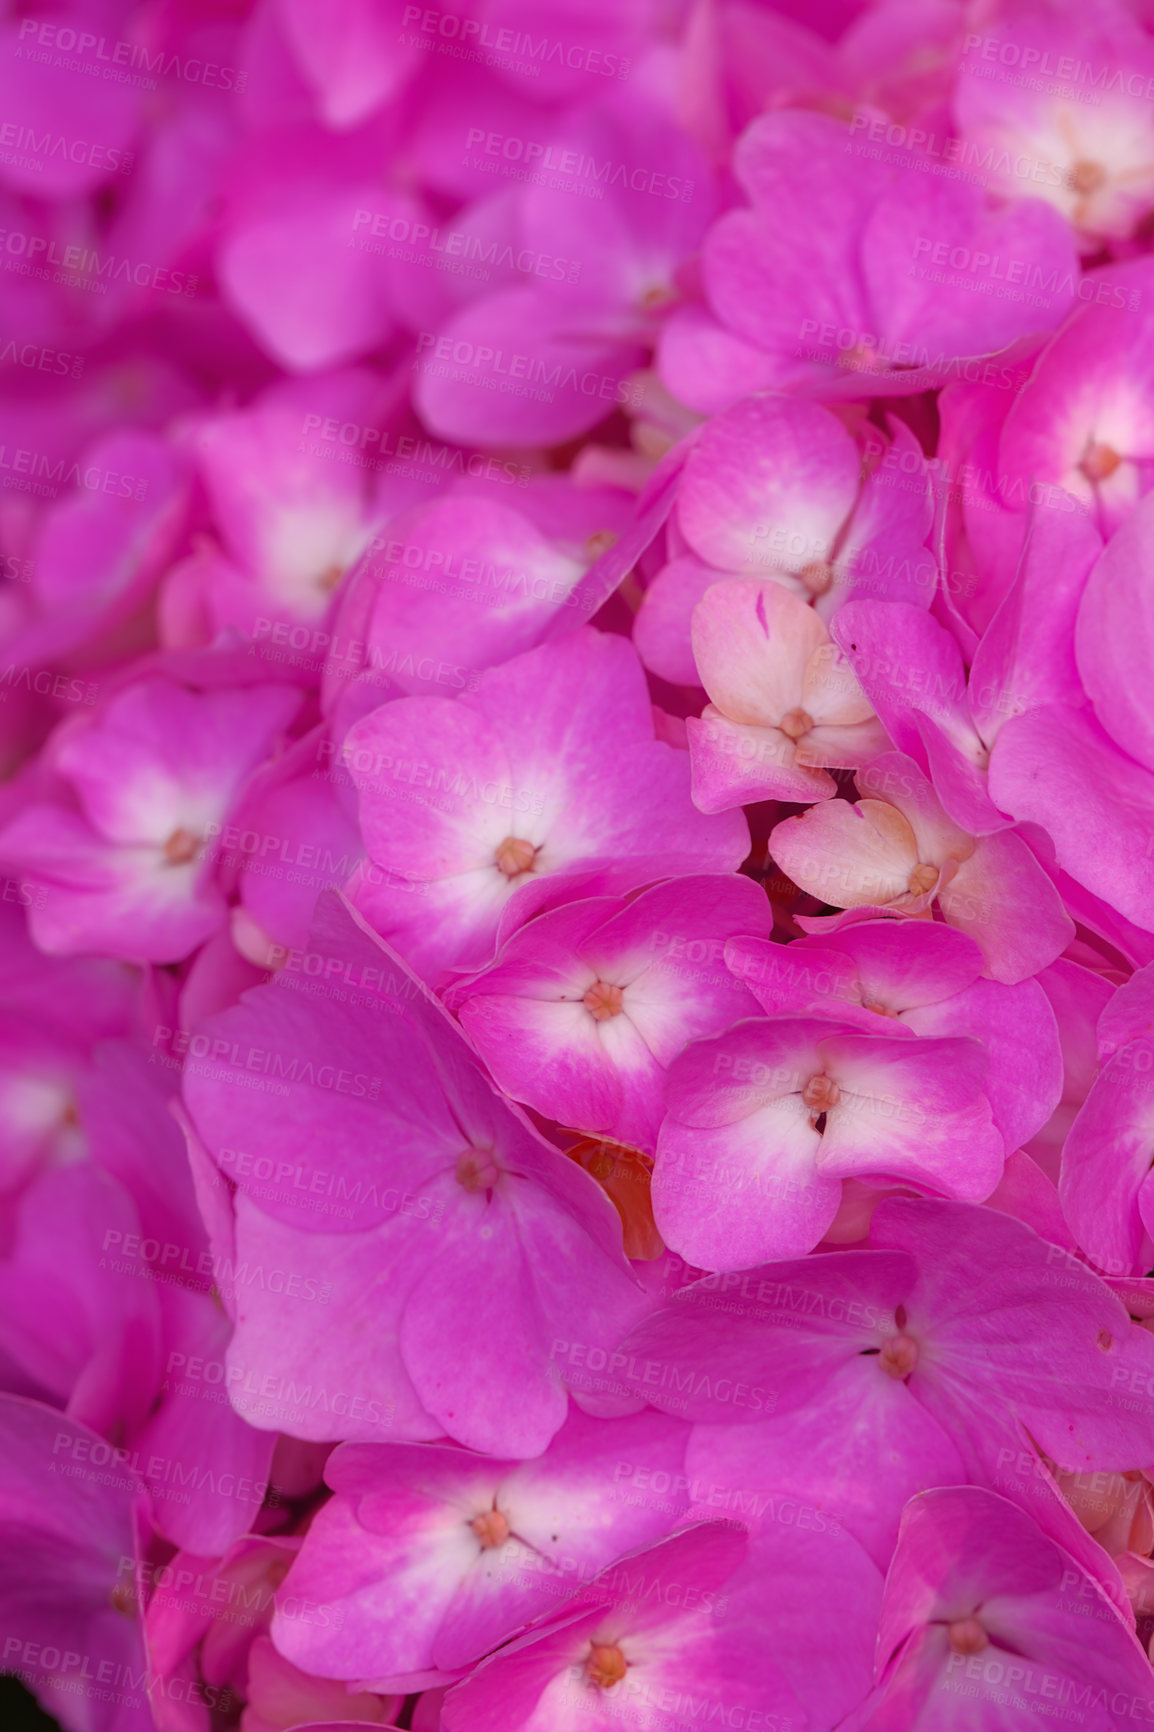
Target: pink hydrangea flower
[[683, 1621], [418, 1226], [479, 812], [289, 513], [574, 718], [428, 1558], [1089, 159], [828, 281], [1081, 422], [766, 1121], [897, 850], [67, 1583], [586, 1007], [1105, 1182], [912, 668], [781, 489], [933, 1334], [894, 976], [123, 853], [784, 704], [984, 1614], [545, 360]]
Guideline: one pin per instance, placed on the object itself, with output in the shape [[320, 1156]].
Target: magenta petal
[[446, 637], [518, 367], [443, 784], [337, 1179], [70, 131], [912, 1110], [1105, 1166], [736, 1178], [207, 1469], [959, 319], [754, 473], [72, 1542], [904, 966], [792, 977], [285, 261], [965, 1553], [353, 56], [1025, 659], [1002, 897], [661, 631], [850, 1460], [386, 1557], [1065, 1401], [733, 1350], [1019, 1031], [316, 1350], [557, 1503], [732, 1196], [1114, 636], [484, 1317], [908, 665], [706, 365], [736, 764], [1058, 768]]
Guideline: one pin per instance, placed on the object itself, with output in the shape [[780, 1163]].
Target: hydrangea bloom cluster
[[576, 861]]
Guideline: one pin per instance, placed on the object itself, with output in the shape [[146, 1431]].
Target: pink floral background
[[577, 865]]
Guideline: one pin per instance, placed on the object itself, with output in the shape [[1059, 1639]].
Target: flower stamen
[[899, 1356], [1099, 461], [795, 724], [603, 1001], [514, 856], [182, 847], [606, 1665], [476, 1171], [491, 1529], [922, 879], [967, 1636]]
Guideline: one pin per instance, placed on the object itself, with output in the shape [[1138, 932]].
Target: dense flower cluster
[[577, 864]]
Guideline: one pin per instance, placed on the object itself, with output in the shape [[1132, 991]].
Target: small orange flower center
[[491, 1529], [922, 878], [123, 1600], [606, 1665], [877, 1007], [795, 724], [1099, 461], [330, 577], [818, 577], [967, 1636], [898, 1356], [603, 1001], [601, 541], [820, 1093], [476, 1170], [514, 856], [859, 359], [181, 847], [1087, 177], [657, 297]]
